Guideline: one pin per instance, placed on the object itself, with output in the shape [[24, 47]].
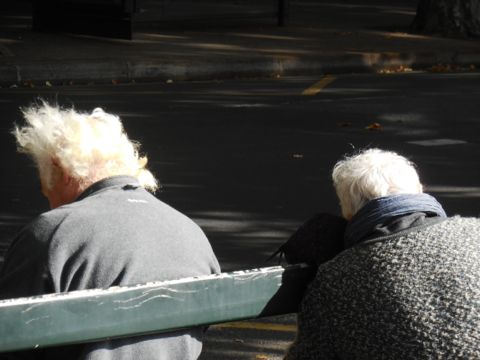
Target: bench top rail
[[92, 315]]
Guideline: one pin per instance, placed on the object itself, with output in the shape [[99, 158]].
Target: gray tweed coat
[[411, 295]]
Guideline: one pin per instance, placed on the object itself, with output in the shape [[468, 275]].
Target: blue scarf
[[379, 211]]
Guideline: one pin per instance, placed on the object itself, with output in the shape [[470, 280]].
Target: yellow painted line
[[319, 85], [257, 326]]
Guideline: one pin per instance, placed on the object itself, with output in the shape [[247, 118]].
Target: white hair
[[371, 174], [89, 147]]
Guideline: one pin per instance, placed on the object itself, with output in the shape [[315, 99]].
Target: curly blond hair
[[89, 147]]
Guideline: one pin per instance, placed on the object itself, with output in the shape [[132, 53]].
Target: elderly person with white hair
[[406, 285], [105, 229]]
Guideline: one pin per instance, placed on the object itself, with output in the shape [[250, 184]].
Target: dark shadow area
[[244, 240], [201, 15], [179, 31], [250, 161], [295, 280], [10, 224], [359, 14], [16, 14]]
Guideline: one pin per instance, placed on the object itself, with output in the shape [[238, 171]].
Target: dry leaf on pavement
[[442, 68], [261, 357], [374, 126], [395, 69], [29, 83]]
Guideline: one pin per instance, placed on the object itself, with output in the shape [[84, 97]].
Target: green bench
[[92, 315]]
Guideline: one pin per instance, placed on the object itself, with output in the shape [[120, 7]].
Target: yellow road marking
[[318, 86], [257, 326]]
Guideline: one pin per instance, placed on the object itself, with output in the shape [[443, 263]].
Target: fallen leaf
[[261, 357], [395, 69], [374, 126], [442, 68]]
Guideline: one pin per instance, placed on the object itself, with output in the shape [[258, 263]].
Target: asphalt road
[[250, 160]]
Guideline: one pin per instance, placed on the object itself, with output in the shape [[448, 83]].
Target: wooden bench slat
[[93, 315]]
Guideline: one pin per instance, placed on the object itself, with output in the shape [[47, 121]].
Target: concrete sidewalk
[[322, 37]]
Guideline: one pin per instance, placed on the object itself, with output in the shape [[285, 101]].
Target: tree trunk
[[456, 18]]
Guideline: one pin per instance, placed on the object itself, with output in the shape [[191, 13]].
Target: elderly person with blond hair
[[406, 285], [105, 229]]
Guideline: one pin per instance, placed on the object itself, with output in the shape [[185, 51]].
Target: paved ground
[[249, 160], [181, 40]]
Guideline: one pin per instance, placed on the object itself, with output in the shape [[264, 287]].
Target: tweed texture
[[411, 295]]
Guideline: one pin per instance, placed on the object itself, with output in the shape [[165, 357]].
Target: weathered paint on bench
[[92, 315]]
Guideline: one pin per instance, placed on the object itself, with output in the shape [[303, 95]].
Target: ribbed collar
[[110, 182]]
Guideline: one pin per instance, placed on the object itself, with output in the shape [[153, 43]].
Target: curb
[[159, 70]]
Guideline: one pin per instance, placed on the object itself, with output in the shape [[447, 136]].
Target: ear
[[66, 178], [61, 173], [55, 162]]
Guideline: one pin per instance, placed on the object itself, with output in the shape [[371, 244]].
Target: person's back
[[414, 295], [112, 233], [118, 234]]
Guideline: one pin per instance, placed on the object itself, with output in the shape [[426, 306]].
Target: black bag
[[318, 240]]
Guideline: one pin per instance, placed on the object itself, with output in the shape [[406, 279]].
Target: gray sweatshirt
[[114, 234]]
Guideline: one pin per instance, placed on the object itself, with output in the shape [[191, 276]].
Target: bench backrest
[[92, 315]]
